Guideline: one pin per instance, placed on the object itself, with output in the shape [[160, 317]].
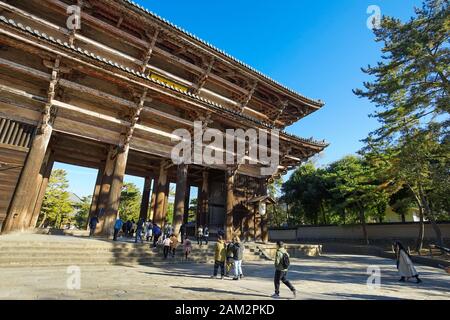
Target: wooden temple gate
[[109, 95]]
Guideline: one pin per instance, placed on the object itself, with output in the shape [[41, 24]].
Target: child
[[187, 247], [166, 243], [173, 244]]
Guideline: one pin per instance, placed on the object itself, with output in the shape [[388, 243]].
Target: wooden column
[[187, 203], [19, 215], [145, 198], [96, 193], [166, 203], [44, 177], [161, 194], [203, 201], [107, 177], [115, 191], [229, 182], [153, 200], [264, 229], [180, 197]]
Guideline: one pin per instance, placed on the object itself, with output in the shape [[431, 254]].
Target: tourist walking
[[187, 246], [139, 230], [220, 256], [117, 226], [156, 234], [200, 235], [133, 228], [166, 247], [93, 225], [405, 265], [173, 244], [238, 256], [129, 227], [282, 264], [206, 234], [149, 231]]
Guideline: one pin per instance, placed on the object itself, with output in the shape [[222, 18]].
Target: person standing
[[187, 244], [156, 234], [148, 231], [219, 258], [206, 235], [200, 235], [230, 253], [128, 228], [166, 249], [117, 226], [139, 230], [93, 225], [282, 264], [173, 244], [405, 265], [238, 256]]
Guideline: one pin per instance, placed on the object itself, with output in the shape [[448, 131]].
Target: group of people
[[202, 235], [228, 255]]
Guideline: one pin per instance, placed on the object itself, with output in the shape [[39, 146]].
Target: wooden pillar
[[115, 191], [19, 215], [166, 204], [153, 200], [161, 194], [44, 177], [145, 198], [187, 203], [264, 229], [180, 197], [229, 182], [203, 201], [96, 193], [107, 177]]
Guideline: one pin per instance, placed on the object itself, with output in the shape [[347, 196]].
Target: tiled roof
[[91, 55], [217, 50]]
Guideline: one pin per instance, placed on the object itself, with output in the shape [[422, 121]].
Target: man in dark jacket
[[93, 225], [139, 230], [281, 270]]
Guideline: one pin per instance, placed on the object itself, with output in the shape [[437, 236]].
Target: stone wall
[[388, 231]]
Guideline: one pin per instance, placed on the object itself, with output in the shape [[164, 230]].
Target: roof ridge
[[220, 51], [143, 76]]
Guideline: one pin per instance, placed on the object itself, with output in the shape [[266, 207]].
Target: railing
[[15, 133]]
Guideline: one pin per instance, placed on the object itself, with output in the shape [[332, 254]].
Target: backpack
[[285, 262]]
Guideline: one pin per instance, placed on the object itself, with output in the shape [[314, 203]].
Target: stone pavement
[[326, 277]]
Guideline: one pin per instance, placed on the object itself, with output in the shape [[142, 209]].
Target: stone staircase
[[51, 250], [42, 250]]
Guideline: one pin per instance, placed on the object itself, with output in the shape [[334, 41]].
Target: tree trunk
[[431, 217], [41, 225], [362, 219], [403, 217], [419, 244]]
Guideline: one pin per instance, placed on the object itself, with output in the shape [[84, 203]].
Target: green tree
[[83, 208], [130, 202], [56, 206], [411, 92]]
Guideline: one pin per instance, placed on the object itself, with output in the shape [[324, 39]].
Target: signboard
[[157, 77], [262, 208]]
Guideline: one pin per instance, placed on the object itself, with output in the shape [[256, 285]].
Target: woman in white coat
[[405, 265]]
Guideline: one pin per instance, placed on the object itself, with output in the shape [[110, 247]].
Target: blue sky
[[316, 47]]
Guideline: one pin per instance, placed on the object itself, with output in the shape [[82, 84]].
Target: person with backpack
[[282, 264], [230, 262], [238, 256]]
